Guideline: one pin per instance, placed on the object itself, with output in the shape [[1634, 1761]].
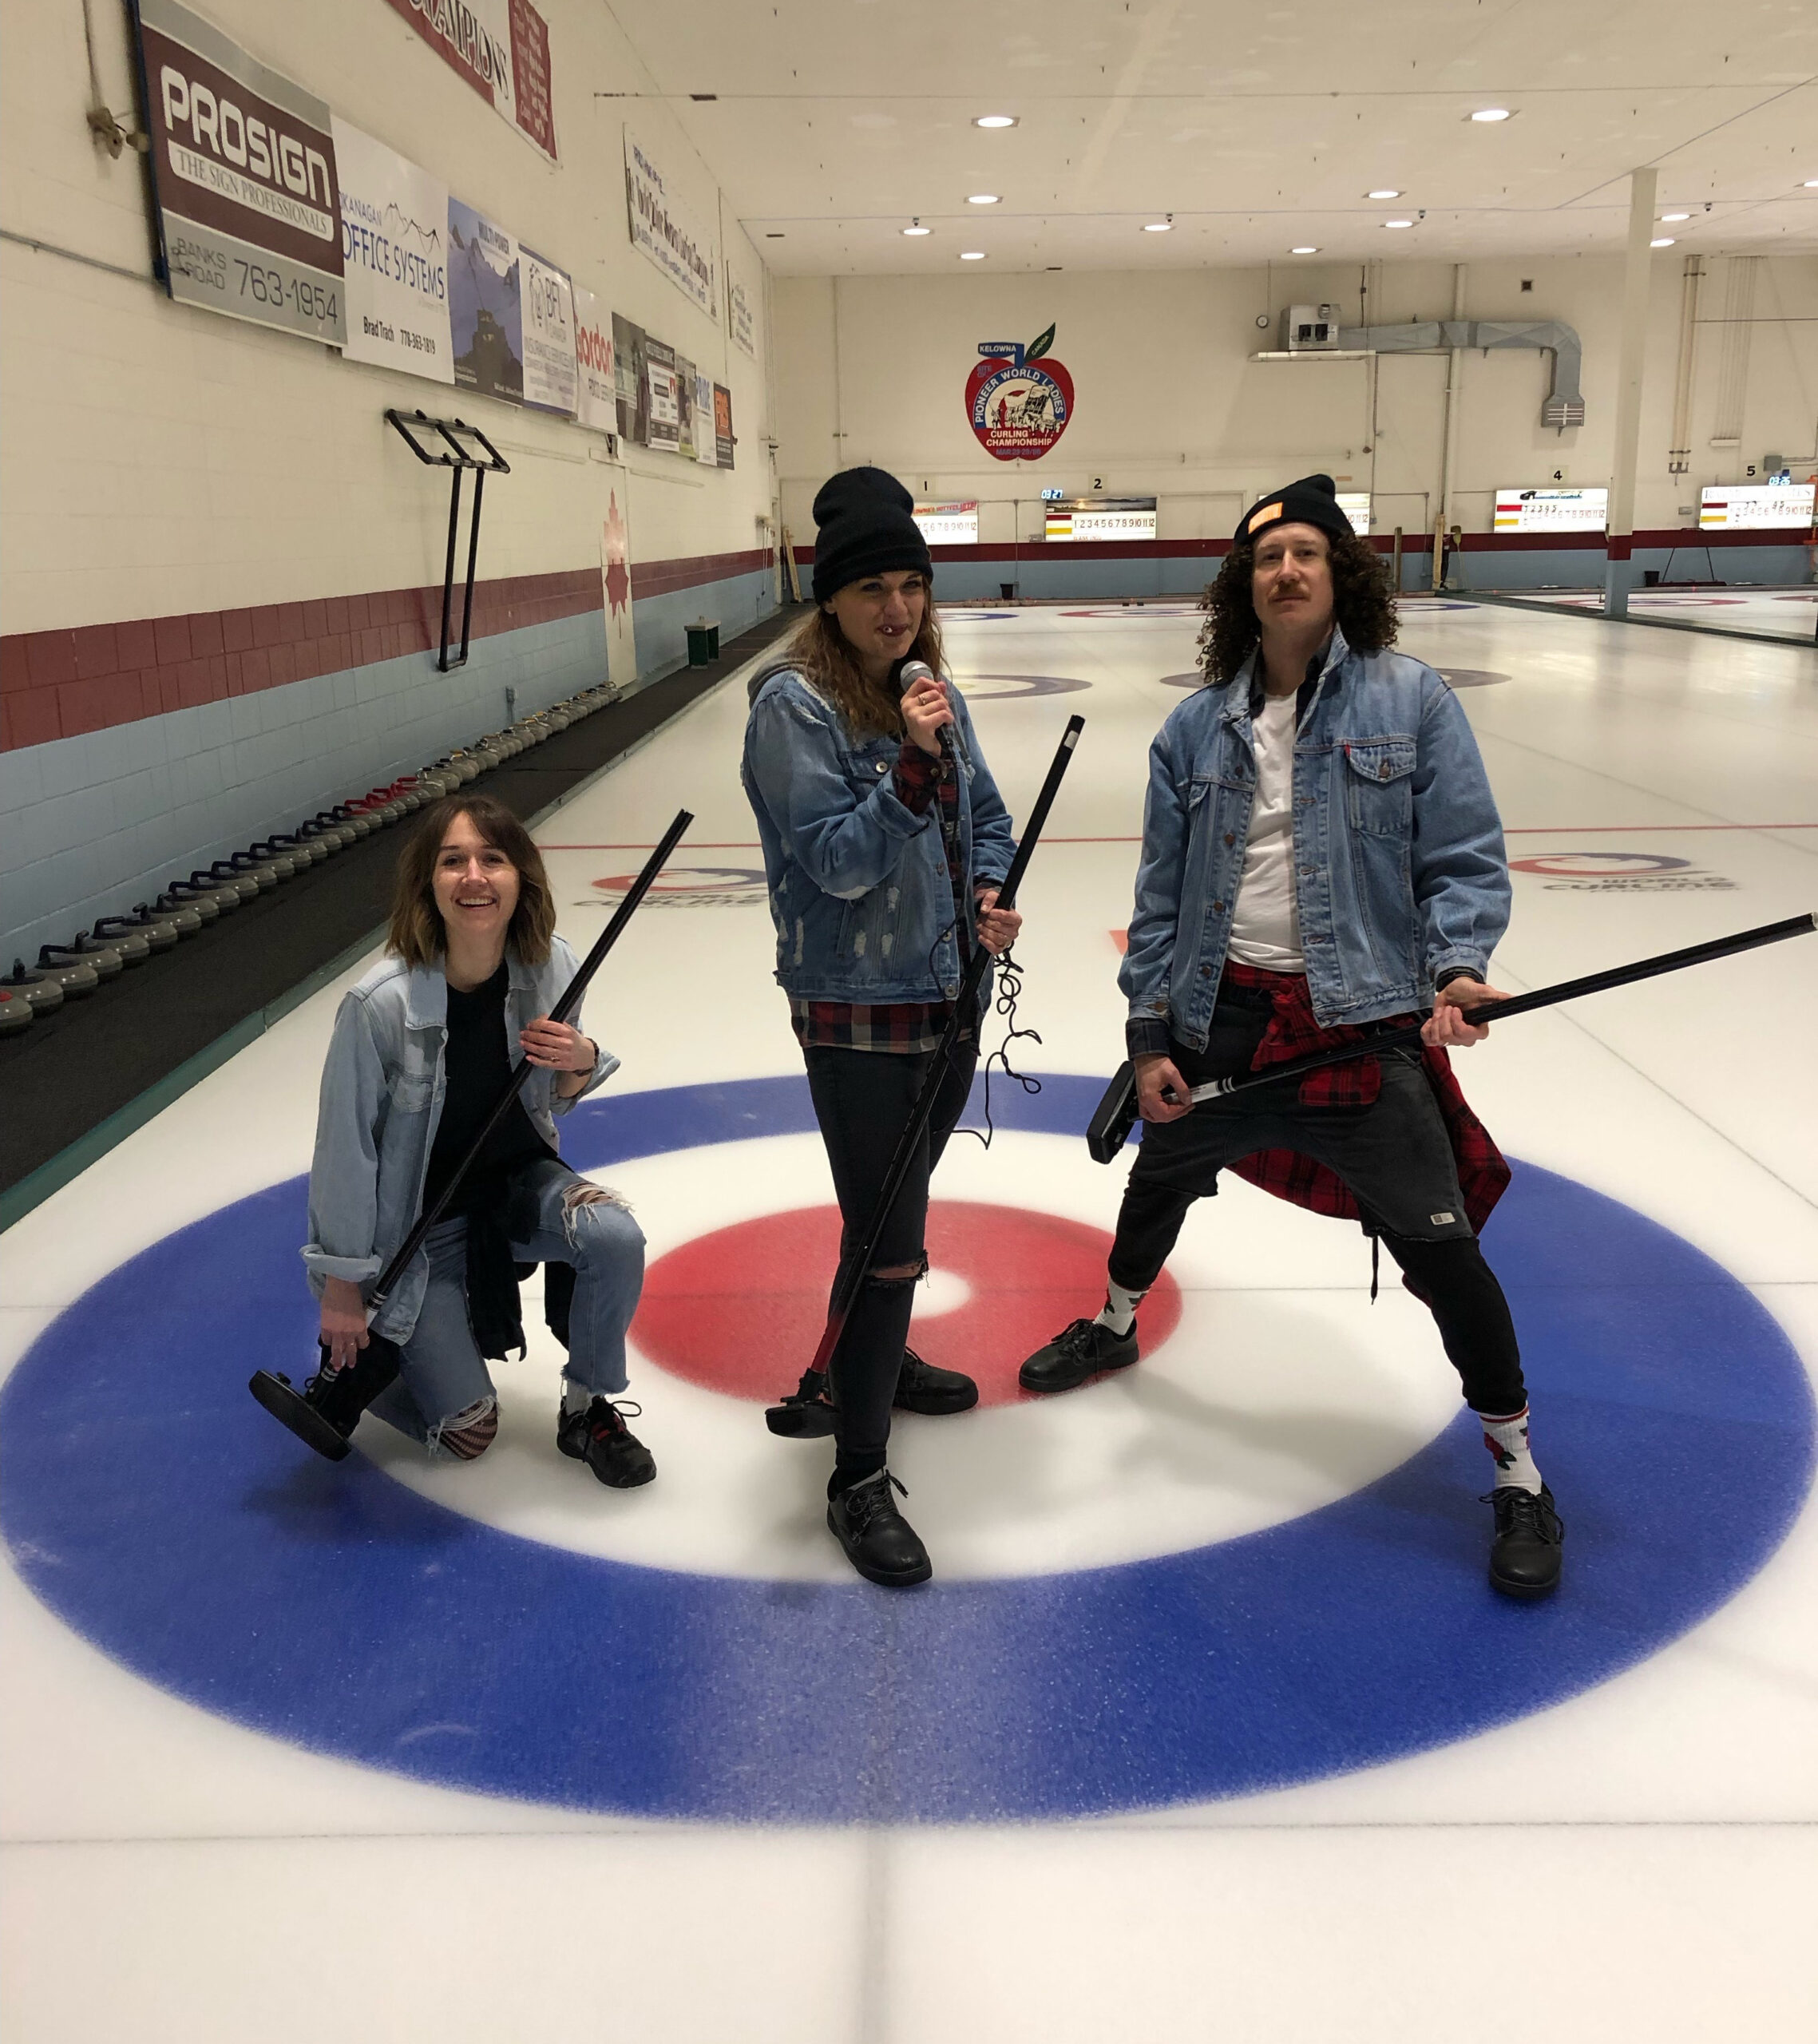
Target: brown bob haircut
[[415, 933], [1361, 603], [819, 651]]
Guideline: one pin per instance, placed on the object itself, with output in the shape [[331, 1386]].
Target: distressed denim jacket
[[859, 889], [1399, 865], [382, 1095]]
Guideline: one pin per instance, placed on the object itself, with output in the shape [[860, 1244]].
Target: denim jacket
[[382, 1095], [1399, 869], [859, 889]]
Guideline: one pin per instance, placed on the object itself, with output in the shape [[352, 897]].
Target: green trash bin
[[704, 641]]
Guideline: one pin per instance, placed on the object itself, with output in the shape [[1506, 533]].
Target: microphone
[[914, 671]]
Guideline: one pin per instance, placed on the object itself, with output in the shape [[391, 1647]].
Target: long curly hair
[[819, 652], [1362, 602]]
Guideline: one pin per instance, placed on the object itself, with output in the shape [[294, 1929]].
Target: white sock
[[1506, 1440], [575, 1397], [1119, 1314]]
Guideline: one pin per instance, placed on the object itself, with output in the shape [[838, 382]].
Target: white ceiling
[[1258, 127]]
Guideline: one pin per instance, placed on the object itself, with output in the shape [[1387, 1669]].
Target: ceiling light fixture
[[917, 227], [972, 255], [1493, 113], [1385, 193], [1674, 216], [986, 199], [1398, 222], [1303, 251], [1662, 241], [995, 120], [1160, 227]]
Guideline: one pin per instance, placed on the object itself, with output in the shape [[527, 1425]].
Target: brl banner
[[595, 398], [243, 168], [502, 48], [549, 335], [394, 246], [1019, 399], [485, 306], [664, 229]]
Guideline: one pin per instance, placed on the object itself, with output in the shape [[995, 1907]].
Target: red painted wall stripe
[[60, 684]]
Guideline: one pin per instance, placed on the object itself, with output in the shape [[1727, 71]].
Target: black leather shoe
[[600, 1437], [1526, 1555], [879, 1541], [921, 1388], [1077, 1351]]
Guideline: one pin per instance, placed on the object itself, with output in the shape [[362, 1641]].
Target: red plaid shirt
[[1482, 1174]]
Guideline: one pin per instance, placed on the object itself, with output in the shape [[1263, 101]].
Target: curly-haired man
[[1321, 851]]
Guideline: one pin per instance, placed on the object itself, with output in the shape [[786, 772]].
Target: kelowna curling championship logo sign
[[1019, 399]]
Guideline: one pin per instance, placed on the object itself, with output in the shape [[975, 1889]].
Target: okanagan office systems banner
[[394, 246], [666, 231], [595, 398], [502, 48], [549, 335], [243, 169], [485, 307]]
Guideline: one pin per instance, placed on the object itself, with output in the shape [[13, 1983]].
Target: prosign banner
[[242, 167], [394, 246], [666, 231], [502, 48]]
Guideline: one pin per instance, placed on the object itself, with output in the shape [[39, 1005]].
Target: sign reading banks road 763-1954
[[243, 161]]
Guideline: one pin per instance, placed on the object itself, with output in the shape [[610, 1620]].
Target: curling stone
[[77, 977], [223, 873], [300, 851], [107, 962], [159, 933], [15, 1012], [118, 934], [182, 919], [43, 991], [203, 894], [282, 861]]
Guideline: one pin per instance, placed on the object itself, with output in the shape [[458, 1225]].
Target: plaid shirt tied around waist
[[1483, 1172]]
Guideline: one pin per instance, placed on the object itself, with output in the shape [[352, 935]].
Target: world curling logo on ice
[[692, 887], [1619, 872]]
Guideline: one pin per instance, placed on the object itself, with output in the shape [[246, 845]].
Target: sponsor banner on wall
[[685, 407], [502, 48], [1551, 510], [1019, 399], [549, 335], [948, 525], [707, 441], [485, 306], [630, 385], [243, 168], [595, 399], [723, 439], [664, 228], [739, 322], [394, 250], [663, 404]]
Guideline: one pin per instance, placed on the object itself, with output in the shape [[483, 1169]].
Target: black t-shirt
[[477, 1064]]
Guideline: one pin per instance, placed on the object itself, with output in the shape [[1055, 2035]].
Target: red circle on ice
[[739, 1310]]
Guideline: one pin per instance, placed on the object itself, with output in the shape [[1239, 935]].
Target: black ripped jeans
[[863, 1100]]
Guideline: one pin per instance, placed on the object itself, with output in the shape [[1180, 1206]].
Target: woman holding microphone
[[884, 842]]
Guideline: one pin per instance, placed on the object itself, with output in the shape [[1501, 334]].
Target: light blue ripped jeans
[[442, 1377]]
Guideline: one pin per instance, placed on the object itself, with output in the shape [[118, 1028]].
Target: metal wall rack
[[443, 443]]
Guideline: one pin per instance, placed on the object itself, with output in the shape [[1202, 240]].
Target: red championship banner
[[502, 48]]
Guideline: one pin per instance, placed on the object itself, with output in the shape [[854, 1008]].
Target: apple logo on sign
[[1019, 399]]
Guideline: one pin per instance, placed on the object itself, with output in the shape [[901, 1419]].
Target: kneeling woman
[[883, 854], [421, 1048]]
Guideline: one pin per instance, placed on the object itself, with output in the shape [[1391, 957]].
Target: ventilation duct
[[1565, 402]]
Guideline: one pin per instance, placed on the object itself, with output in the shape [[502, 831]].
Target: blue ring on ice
[[150, 1504]]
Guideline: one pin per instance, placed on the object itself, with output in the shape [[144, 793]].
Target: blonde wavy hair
[[820, 653], [416, 934]]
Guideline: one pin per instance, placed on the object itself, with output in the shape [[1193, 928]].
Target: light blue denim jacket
[[859, 890], [381, 1093], [1400, 867]]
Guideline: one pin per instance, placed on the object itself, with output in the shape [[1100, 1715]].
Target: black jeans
[[862, 1100], [1395, 1157]]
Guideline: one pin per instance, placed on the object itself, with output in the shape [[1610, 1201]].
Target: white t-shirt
[[1265, 927]]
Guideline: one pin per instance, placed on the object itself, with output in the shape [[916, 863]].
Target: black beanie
[[1312, 500], [863, 528]]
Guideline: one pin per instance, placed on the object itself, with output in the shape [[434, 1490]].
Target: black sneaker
[[879, 1541], [1077, 1351], [600, 1437], [1526, 1555], [921, 1388]]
